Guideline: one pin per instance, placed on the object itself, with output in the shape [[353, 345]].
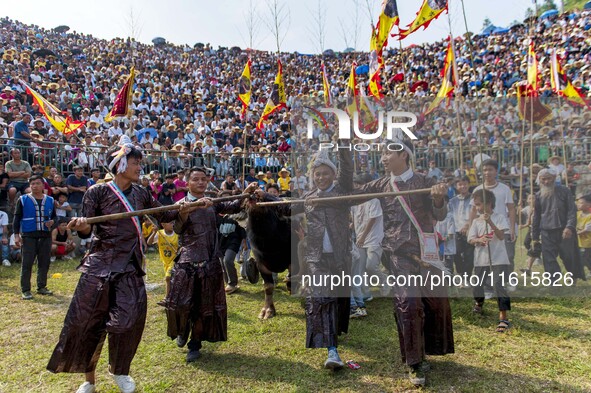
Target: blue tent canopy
[[362, 69], [548, 14], [140, 134], [488, 30], [587, 5], [500, 30]]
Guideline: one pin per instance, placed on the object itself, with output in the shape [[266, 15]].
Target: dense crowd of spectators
[[187, 99]]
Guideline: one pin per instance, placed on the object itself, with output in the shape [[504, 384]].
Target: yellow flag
[[244, 88], [562, 85], [532, 68], [375, 65], [449, 79], [326, 87], [430, 10], [277, 99], [388, 18], [58, 120]]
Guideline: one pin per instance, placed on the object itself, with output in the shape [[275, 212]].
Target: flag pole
[[455, 71], [553, 59]]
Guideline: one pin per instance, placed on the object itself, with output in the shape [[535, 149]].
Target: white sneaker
[[511, 288], [52, 259], [6, 262], [488, 295], [86, 387], [125, 383], [68, 258], [537, 262]]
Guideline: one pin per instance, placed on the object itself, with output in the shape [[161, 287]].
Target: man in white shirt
[[300, 183], [368, 224], [116, 129], [96, 116]]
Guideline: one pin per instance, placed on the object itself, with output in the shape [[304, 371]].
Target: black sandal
[[503, 326], [477, 308]]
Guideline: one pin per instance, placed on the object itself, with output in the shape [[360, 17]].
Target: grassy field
[[547, 350]]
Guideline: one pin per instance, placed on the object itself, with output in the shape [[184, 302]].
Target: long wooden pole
[[160, 209], [359, 197]]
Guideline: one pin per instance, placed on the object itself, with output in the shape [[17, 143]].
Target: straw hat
[[237, 150], [260, 174], [508, 132], [283, 170], [178, 146], [553, 158], [545, 130], [7, 57], [171, 127]]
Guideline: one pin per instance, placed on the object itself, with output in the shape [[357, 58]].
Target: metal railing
[[65, 156]]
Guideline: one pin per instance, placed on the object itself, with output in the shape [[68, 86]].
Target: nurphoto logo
[[395, 123]]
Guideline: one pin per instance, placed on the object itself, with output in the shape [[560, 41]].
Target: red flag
[[529, 105], [123, 99]]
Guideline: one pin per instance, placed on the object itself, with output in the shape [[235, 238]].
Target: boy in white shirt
[[62, 207], [15, 251], [487, 234], [4, 237]]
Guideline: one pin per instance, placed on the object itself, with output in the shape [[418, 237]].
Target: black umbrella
[[328, 53], [62, 29], [76, 51], [199, 45], [159, 41], [236, 49], [43, 52]]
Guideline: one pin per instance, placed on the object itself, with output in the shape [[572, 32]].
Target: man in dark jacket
[[111, 294], [196, 306], [557, 229], [423, 314]]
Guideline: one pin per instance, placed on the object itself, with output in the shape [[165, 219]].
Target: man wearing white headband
[[328, 251], [423, 315], [557, 231], [111, 294]]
